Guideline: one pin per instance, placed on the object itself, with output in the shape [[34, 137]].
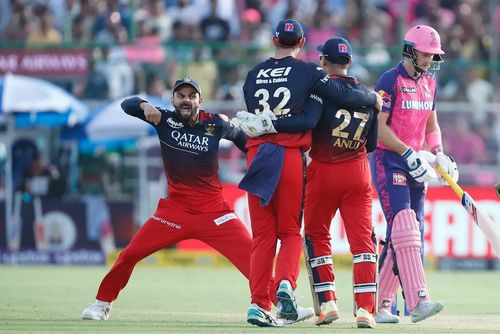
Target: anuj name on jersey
[[347, 143], [272, 75]]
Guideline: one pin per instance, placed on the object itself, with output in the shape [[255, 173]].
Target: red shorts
[[172, 222], [345, 186]]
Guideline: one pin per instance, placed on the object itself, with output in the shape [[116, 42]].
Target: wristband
[[433, 140]]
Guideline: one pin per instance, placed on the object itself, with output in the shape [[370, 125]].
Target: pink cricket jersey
[[409, 103]]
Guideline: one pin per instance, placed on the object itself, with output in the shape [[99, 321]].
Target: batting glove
[[259, 125], [419, 168], [448, 165]]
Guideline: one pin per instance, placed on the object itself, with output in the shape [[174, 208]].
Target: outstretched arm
[[266, 122], [132, 107], [349, 95], [303, 121], [137, 107], [234, 134]]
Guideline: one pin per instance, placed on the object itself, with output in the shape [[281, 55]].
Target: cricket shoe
[[384, 316], [425, 309], [287, 306], [328, 313], [258, 316], [303, 313], [97, 311], [364, 319]]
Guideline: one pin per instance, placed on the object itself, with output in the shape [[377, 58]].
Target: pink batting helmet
[[424, 39]]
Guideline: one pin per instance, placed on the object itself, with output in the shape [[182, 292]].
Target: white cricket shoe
[[426, 309], [97, 311], [364, 319], [328, 313], [303, 313], [384, 316], [287, 306], [258, 316]]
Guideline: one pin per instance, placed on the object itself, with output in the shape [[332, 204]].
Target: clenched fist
[[152, 114]]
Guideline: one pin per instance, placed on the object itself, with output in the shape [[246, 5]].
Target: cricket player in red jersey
[[278, 88], [194, 209], [408, 121], [338, 177]]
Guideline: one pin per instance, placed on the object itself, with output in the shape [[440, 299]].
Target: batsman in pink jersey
[[407, 123]]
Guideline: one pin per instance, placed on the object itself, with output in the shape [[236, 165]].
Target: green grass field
[[50, 299]]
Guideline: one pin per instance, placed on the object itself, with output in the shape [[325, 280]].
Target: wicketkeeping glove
[[419, 168], [245, 115], [240, 116], [257, 125]]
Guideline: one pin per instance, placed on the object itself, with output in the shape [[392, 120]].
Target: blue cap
[[289, 32], [187, 81], [337, 50]]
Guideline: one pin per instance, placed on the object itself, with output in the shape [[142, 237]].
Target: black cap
[[289, 32], [188, 81], [337, 50]]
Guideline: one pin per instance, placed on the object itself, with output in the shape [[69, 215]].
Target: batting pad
[[407, 245], [388, 282]]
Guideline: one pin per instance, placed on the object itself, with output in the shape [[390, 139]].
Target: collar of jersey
[[186, 122], [403, 71], [345, 77]]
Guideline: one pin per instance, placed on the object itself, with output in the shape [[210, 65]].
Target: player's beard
[[186, 112]]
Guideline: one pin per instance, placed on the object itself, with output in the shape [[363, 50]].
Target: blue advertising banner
[[55, 231]]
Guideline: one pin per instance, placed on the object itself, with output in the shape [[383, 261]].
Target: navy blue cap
[[188, 81], [289, 32], [337, 50]]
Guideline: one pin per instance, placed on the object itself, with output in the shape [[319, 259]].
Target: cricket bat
[[482, 220]]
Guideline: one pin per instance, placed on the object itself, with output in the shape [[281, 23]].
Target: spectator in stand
[[202, 66], [323, 27], [157, 87], [253, 30], [159, 19], [78, 33], [114, 31], [487, 134], [478, 92], [45, 33], [19, 24], [224, 9], [465, 146], [5, 14], [213, 27], [185, 12], [117, 71]]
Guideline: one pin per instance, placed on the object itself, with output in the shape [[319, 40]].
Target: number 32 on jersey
[[263, 96]]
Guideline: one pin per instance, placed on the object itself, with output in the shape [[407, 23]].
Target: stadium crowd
[[144, 45]]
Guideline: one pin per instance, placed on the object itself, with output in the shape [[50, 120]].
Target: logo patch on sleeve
[[225, 218], [386, 98], [398, 179]]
